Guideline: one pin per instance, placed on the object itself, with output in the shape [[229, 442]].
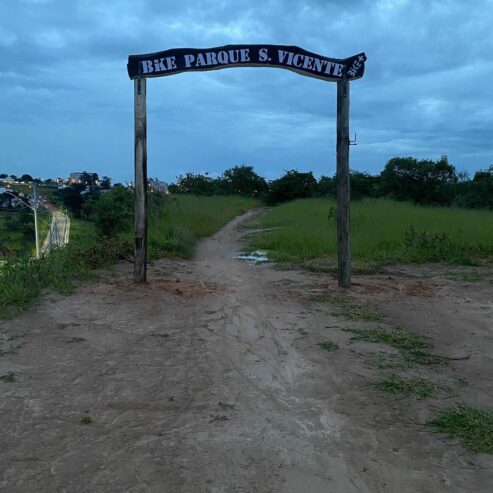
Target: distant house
[[75, 177], [87, 178], [158, 186]]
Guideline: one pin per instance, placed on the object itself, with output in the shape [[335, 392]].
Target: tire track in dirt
[[209, 379]]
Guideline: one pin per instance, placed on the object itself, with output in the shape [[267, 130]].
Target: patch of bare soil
[[210, 379]]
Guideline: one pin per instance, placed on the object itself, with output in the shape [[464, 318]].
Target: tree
[[105, 183], [26, 177], [244, 180], [196, 184], [88, 179], [363, 185], [478, 193], [71, 198], [113, 212], [424, 181], [327, 186], [292, 185]]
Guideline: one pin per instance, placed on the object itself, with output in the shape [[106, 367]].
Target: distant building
[[158, 186], [75, 177], [78, 177]]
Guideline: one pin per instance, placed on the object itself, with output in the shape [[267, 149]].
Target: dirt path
[[58, 232], [210, 379]]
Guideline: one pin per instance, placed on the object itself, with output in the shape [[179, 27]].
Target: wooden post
[[140, 160], [343, 193]]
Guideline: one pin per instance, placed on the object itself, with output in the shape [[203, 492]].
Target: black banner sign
[[179, 60]]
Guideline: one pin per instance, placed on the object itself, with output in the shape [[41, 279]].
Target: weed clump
[[9, 377], [86, 419], [348, 309], [328, 346], [417, 388], [397, 338], [474, 427], [410, 345]]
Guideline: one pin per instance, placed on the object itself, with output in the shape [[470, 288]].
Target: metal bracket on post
[[353, 142]]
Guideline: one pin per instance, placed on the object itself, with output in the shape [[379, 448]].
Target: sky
[[67, 102]]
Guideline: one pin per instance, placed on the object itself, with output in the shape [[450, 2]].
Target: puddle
[[258, 256]]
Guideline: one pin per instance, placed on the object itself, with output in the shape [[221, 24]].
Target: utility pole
[[35, 209]]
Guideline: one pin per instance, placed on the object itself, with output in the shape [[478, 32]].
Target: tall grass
[[175, 225], [382, 230], [21, 282]]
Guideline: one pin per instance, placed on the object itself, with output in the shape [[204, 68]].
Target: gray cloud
[[67, 101]]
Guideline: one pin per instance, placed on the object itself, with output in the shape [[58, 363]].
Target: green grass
[[464, 276], [86, 419], [17, 238], [346, 308], [75, 339], [382, 230], [397, 338], [175, 227], [410, 345], [227, 407], [9, 377], [474, 427], [406, 359], [328, 346], [416, 388]]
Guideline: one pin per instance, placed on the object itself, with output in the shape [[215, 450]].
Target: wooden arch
[[175, 61]]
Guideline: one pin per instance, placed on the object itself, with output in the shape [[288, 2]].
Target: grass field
[[382, 230], [17, 233], [174, 228]]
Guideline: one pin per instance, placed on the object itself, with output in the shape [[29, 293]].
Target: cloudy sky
[[67, 103]]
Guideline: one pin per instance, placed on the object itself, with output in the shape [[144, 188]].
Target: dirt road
[[59, 231], [210, 379]]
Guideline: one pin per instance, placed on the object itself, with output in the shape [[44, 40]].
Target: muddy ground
[[210, 379]]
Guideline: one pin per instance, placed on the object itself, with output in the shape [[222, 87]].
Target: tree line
[[424, 182]]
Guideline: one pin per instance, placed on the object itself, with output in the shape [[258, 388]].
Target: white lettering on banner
[[337, 69], [234, 56], [296, 59], [147, 67], [189, 59], [223, 57], [211, 58], [242, 55], [307, 62], [159, 65], [263, 55], [200, 60], [318, 64], [245, 54], [282, 55]]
